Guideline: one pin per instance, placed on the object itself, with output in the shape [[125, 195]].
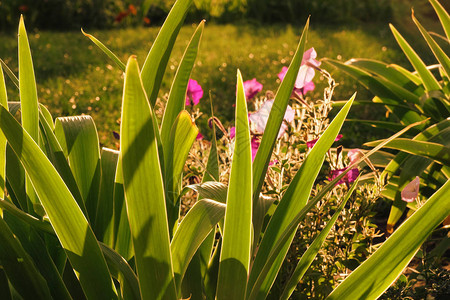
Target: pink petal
[[309, 86], [311, 143], [348, 178], [255, 145], [259, 119], [411, 190], [251, 88], [194, 92], [282, 73], [232, 132], [199, 136], [354, 155], [306, 71]]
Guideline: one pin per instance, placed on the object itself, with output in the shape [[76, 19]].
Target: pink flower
[[259, 118], [251, 88], [354, 155], [411, 190], [311, 143], [194, 92], [232, 132], [305, 73], [348, 178], [255, 145], [199, 136]]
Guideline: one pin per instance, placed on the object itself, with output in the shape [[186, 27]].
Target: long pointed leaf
[[182, 136], [430, 83], [158, 56], [372, 83], [435, 151], [79, 141], [237, 240], [28, 99], [144, 190], [177, 96], [443, 16], [105, 49], [262, 158], [4, 103], [440, 55], [195, 227]]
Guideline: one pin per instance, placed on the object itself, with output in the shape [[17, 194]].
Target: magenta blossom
[[347, 179], [199, 136], [255, 145], [411, 190], [232, 132], [259, 118], [311, 143], [251, 88], [194, 92], [305, 73]]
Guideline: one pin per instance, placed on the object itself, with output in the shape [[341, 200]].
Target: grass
[[75, 77]]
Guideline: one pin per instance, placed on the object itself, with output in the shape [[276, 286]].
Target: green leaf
[[20, 269], [262, 158], [426, 134], [56, 155], [443, 16], [177, 97], [182, 136], [435, 151], [4, 103], [27, 85], [10, 73], [105, 49], [391, 126], [440, 55], [380, 270], [29, 219], [192, 231], [399, 79], [430, 83], [211, 190], [104, 220], [121, 270], [158, 56], [237, 236], [412, 76], [144, 190], [79, 141], [122, 235], [28, 100], [212, 171], [67, 219], [293, 201], [309, 255], [377, 86]]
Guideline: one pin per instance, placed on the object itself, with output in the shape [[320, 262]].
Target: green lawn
[[75, 77]]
